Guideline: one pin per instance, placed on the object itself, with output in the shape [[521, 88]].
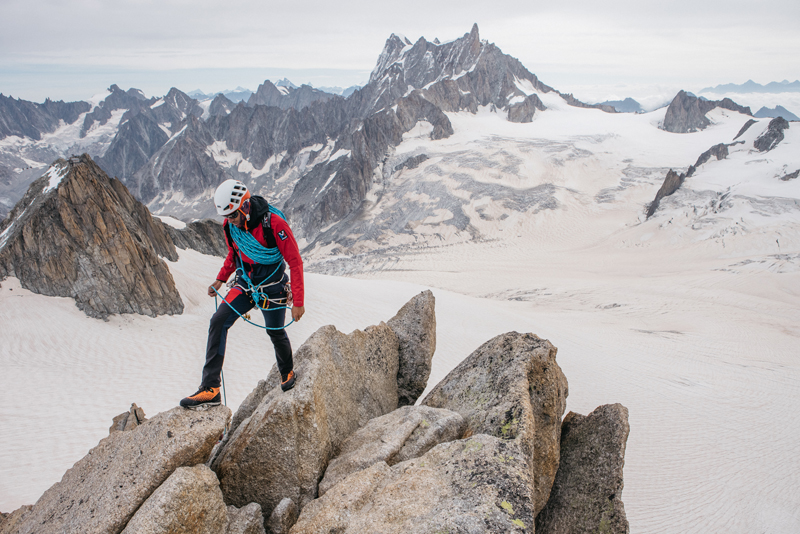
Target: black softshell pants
[[224, 318]]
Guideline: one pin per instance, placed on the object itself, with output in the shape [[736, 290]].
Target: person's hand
[[297, 312], [216, 285]]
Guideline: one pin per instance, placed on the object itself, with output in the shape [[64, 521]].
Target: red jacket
[[281, 237]]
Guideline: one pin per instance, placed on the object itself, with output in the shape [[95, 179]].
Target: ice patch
[[56, 175], [330, 179], [171, 221], [341, 153], [157, 103], [526, 86]]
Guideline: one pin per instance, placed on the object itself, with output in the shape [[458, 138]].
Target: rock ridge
[[78, 233]]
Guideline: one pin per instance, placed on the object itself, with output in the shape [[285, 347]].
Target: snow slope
[[705, 360]]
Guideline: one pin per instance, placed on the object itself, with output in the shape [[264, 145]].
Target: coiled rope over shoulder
[[247, 243]]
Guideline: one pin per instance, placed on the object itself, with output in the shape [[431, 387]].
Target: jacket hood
[[259, 207]]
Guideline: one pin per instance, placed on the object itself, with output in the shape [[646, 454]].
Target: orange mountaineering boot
[[205, 396]]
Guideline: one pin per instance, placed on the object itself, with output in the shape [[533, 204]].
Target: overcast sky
[[72, 49]]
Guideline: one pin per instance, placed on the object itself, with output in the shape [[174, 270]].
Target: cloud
[[688, 42]]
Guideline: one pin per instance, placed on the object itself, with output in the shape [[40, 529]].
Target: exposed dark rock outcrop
[[523, 111], [78, 233], [572, 101], [412, 162], [774, 135], [719, 151], [204, 236], [29, 119], [791, 175], [744, 128], [586, 494], [672, 183], [687, 113]]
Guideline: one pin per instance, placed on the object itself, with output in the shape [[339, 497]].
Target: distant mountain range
[[323, 158], [752, 87], [241, 94], [628, 105], [777, 111]]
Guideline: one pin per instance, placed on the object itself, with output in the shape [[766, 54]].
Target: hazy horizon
[[620, 45]]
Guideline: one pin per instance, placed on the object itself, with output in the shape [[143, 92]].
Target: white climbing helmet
[[229, 196]]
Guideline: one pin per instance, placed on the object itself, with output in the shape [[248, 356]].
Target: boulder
[[475, 485], [188, 502], [512, 388], [415, 326], [406, 433], [10, 523], [103, 490], [128, 420], [283, 517], [245, 520], [283, 447], [586, 495]]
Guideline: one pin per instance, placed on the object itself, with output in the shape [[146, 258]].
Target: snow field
[[704, 360]]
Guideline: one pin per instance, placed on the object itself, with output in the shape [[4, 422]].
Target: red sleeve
[[291, 253], [230, 263]]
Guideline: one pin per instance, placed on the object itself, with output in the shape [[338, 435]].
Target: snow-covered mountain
[[447, 142], [456, 169]]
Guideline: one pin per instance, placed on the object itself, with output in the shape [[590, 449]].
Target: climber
[[248, 217]]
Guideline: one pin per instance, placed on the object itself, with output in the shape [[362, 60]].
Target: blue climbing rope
[[247, 243]]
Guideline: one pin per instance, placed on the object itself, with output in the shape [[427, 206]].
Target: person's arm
[[291, 253], [228, 266]]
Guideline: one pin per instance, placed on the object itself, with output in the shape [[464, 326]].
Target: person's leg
[[218, 327], [274, 318]]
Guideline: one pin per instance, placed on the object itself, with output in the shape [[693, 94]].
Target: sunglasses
[[233, 216]]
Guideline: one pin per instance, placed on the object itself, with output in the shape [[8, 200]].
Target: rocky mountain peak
[[687, 113], [424, 61], [29, 119], [286, 95], [78, 233], [131, 100]]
